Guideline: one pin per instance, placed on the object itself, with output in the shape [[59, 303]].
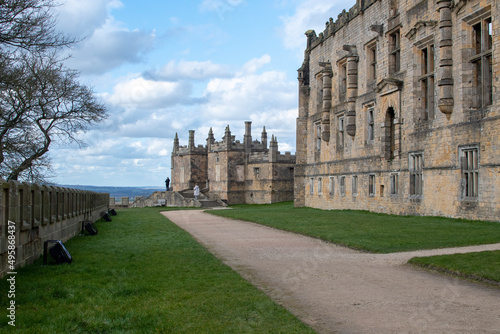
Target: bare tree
[[29, 25], [40, 100], [44, 102]]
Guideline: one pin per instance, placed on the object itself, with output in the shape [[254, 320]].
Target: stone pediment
[[388, 86]]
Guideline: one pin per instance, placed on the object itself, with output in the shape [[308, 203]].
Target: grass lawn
[[141, 274], [368, 231], [482, 266]]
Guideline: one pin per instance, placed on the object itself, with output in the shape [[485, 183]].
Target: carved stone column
[[445, 70], [327, 101], [352, 88]]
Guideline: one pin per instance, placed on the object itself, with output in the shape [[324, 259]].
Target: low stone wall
[[166, 198], [31, 214]]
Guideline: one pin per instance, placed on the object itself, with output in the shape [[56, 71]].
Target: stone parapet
[[34, 213]]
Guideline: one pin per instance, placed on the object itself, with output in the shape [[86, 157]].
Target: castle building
[[399, 110], [233, 171]]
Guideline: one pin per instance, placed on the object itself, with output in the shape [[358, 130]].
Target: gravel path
[[338, 290]]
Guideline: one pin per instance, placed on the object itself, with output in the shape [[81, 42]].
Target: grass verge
[[373, 232], [479, 266], [141, 274]]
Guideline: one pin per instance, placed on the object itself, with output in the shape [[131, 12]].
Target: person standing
[[196, 191], [167, 183]]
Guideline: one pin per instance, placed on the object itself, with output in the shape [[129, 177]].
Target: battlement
[[331, 27]]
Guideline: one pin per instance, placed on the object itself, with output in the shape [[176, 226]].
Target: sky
[[163, 67]]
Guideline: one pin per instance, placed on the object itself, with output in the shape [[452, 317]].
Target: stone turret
[[176, 143], [210, 139], [191, 141], [273, 149], [263, 139], [227, 138], [247, 139]]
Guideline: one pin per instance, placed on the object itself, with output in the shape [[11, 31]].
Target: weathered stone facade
[[233, 171], [399, 110]]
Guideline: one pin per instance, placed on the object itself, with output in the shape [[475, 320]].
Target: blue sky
[[167, 67]]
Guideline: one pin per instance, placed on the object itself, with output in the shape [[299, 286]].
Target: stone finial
[[176, 143], [263, 138]]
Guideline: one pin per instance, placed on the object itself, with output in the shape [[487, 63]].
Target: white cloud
[[106, 43], [197, 70], [253, 65], [220, 6], [310, 14], [148, 94]]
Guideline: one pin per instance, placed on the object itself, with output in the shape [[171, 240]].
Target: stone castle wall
[[233, 171], [365, 121], [31, 214]]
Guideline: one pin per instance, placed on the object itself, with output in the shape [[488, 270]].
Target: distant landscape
[[130, 192]]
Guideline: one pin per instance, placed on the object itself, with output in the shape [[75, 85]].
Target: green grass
[[368, 231], [141, 274], [482, 266]]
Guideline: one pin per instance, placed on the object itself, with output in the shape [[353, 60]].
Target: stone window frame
[[481, 60], [354, 184], [340, 130], [320, 185], [319, 91], [416, 169], [371, 61], [256, 172], [317, 136], [469, 170], [371, 185], [370, 122], [395, 51], [311, 186], [331, 185], [427, 54], [342, 79], [394, 182], [342, 185]]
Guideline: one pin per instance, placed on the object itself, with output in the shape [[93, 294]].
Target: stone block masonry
[[235, 172], [399, 110], [31, 214]]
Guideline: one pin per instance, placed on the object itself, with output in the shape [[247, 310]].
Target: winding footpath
[[338, 290]]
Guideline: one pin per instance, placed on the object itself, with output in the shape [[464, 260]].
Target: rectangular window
[[342, 186], [256, 172], [394, 52], [318, 136], [320, 186], [427, 81], [311, 186], [341, 131], [342, 81], [482, 63], [394, 184], [371, 185], [371, 59], [469, 160], [416, 175], [370, 125], [331, 186], [354, 186]]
